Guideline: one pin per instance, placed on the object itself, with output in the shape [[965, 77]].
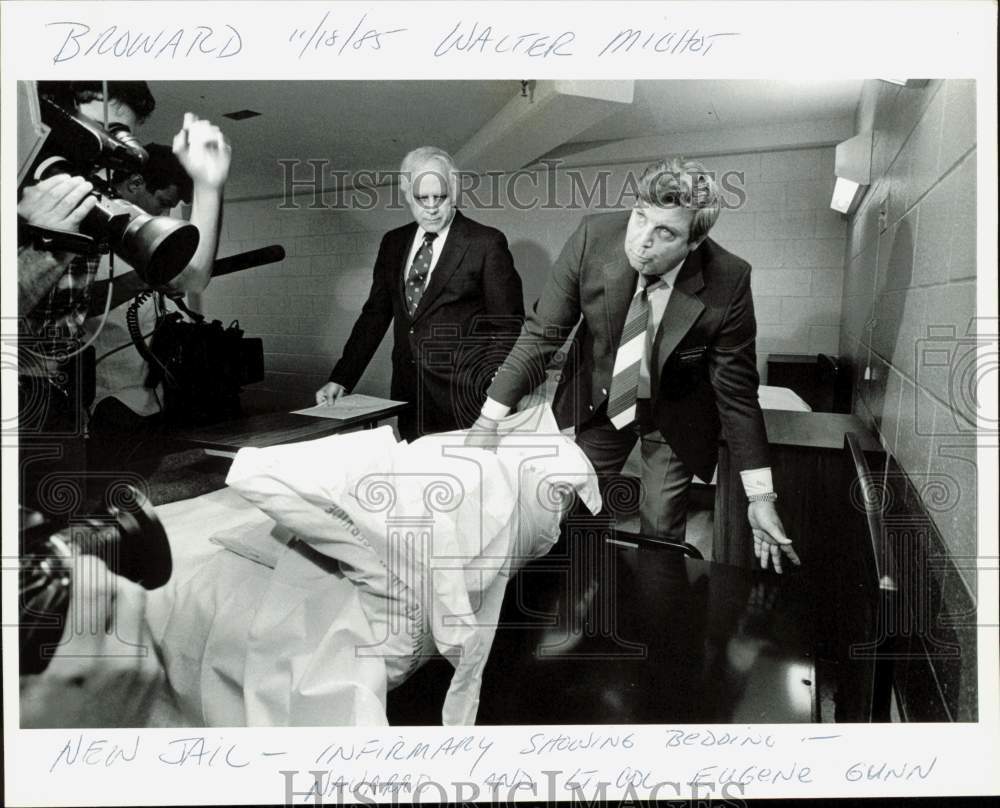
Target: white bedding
[[423, 538]]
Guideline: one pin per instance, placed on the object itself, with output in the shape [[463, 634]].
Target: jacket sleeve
[[503, 296], [369, 329], [734, 377], [549, 323]]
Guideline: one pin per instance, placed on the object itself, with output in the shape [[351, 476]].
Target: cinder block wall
[[304, 307], [909, 327], [910, 295]]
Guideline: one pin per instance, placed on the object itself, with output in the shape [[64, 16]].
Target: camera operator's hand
[[329, 393], [203, 151], [57, 203], [60, 202]]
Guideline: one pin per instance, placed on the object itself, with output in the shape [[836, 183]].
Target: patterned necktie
[[416, 278], [625, 376]]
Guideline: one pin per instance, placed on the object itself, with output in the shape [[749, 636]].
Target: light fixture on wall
[[911, 83], [853, 167]]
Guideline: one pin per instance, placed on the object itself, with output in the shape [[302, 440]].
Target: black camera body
[[157, 247]]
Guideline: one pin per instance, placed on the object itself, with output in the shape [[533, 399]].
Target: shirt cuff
[[757, 481], [495, 410]]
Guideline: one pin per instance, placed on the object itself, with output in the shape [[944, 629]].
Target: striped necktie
[[416, 278], [625, 377]]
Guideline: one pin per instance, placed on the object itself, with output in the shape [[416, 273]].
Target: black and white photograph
[[551, 415]]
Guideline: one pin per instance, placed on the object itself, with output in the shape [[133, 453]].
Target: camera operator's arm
[[57, 203], [203, 151], [204, 154], [125, 287]]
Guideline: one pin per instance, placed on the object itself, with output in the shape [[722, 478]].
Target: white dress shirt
[[436, 247]]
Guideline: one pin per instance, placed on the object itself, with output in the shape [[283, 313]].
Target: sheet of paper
[[349, 406]]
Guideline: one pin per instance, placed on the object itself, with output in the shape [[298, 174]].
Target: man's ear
[[135, 183]]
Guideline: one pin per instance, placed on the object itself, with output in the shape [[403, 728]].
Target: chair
[[834, 374], [629, 538]]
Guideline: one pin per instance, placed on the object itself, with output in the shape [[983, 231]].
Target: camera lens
[[123, 135], [158, 247]]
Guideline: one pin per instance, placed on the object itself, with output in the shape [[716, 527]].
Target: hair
[[161, 170], [677, 181], [71, 94], [427, 154]]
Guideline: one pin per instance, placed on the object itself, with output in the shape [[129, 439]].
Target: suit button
[[604, 391], [590, 406], [411, 330]]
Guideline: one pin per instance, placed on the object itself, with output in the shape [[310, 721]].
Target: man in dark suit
[[664, 352], [449, 286]]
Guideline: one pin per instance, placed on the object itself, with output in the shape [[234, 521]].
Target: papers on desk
[[781, 398], [350, 406]]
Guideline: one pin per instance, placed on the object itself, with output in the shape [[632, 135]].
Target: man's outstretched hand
[[769, 540], [483, 434]]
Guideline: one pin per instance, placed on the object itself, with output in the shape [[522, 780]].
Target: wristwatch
[[770, 496]]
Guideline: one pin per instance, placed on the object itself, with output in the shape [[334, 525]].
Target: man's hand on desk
[[769, 539], [329, 393], [483, 434]]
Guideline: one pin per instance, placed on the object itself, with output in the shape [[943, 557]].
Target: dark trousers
[[665, 480]]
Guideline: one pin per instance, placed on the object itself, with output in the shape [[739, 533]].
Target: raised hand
[[203, 151]]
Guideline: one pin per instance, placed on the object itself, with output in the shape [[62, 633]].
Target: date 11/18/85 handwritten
[[357, 37]]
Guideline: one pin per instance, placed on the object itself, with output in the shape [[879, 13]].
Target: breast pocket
[[691, 357], [685, 369]]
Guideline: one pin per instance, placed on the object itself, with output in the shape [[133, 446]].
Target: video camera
[[156, 247], [129, 538]]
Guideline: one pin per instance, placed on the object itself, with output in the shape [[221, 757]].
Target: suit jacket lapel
[[683, 308], [619, 284], [398, 263], [448, 262]]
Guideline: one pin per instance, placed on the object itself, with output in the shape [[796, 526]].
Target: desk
[[600, 633], [807, 468], [813, 499], [274, 428]]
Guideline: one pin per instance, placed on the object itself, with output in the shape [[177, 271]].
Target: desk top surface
[[606, 634], [815, 430], [274, 428]]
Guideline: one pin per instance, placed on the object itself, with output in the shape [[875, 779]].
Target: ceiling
[[664, 107], [371, 124]]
